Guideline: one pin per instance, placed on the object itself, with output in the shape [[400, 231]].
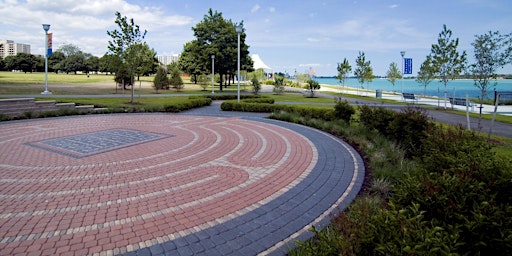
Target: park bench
[[461, 102], [410, 96]]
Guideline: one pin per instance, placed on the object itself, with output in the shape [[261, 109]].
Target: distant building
[[166, 60], [10, 48]]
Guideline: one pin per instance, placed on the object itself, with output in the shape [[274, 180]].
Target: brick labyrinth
[[94, 143], [124, 183]]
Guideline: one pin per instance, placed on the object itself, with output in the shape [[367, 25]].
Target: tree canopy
[[124, 45], [426, 73], [363, 71], [344, 69], [393, 74], [215, 36], [446, 60]]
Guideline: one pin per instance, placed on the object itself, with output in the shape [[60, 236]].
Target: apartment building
[[166, 60], [11, 48]]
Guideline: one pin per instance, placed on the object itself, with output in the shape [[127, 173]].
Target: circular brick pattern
[[177, 184]]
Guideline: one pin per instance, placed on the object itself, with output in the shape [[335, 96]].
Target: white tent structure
[[258, 63]]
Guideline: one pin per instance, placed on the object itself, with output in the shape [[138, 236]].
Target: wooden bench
[[410, 96]]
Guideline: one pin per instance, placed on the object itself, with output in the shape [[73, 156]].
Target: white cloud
[[393, 6], [272, 9], [310, 65], [255, 8], [82, 23]]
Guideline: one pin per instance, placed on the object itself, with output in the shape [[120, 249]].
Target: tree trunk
[[220, 84]]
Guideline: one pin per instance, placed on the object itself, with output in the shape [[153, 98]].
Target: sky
[[289, 36]]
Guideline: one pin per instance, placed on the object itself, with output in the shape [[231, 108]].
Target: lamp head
[[213, 56], [46, 27], [239, 28]]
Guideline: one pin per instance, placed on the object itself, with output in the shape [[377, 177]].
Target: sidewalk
[[433, 101]]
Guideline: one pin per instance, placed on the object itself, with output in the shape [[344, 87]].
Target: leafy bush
[[279, 85], [203, 81], [343, 110], [192, 103], [312, 85], [409, 128], [452, 198], [161, 81], [255, 83], [249, 107], [269, 82], [376, 118], [464, 187], [259, 100]]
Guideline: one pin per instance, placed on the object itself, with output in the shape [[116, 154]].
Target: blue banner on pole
[[408, 66]]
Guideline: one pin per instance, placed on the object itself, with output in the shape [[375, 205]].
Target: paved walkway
[[203, 182], [498, 128]]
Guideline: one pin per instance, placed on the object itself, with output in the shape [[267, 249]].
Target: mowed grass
[[116, 103], [81, 84], [20, 78]]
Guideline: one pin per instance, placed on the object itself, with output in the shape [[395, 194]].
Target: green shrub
[[249, 107], [324, 114], [4, 117], [226, 96], [269, 82], [192, 103], [343, 110], [279, 85], [376, 118], [409, 128], [255, 83], [464, 187], [259, 100]]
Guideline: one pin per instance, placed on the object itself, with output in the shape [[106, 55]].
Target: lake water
[[457, 88]]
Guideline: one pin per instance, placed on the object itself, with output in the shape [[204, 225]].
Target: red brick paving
[[135, 196]]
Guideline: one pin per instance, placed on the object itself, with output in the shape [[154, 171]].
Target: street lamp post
[[238, 29], [46, 27], [213, 72], [403, 64]]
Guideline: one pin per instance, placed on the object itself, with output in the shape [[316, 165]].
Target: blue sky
[[289, 36]]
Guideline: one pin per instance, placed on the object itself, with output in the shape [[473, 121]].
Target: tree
[[122, 39], [69, 49], [175, 80], [55, 61], [492, 51], [140, 58], [217, 36], [161, 81], [188, 61], [426, 73], [22, 61], [74, 63], [203, 81], [109, 63], [92, 64], [446, 60], [343, 70], [255, 84], [279, 84], [393, 74], [363, 71], [312, 85]]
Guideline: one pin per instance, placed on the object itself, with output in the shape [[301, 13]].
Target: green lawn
[[20, 78], [81, 84]]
